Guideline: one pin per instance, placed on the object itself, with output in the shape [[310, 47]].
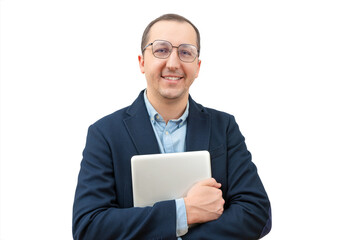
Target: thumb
[[210, 182]]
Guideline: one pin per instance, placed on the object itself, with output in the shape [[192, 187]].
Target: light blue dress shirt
[[171, 138]]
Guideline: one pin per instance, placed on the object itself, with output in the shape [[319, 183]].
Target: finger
[[210, 182]]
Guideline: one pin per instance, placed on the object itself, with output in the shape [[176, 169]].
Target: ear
[[141, 63], [198, 68]]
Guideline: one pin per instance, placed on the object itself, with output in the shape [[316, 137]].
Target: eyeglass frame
[[152, 50]]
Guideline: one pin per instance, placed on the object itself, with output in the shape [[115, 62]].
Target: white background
[[288, 70]]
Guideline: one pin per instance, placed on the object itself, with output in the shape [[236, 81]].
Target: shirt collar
[[153, 113]]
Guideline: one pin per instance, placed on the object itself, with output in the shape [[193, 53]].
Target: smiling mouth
[[172, 78]]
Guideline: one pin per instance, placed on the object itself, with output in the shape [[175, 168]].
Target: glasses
[[162, 49]]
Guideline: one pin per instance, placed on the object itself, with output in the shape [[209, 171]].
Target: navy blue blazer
[[103, 205]]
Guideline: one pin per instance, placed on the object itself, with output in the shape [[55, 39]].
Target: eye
[[161, 50], [186, 53]]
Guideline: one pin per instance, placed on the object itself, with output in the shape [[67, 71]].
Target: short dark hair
[[168, 17]]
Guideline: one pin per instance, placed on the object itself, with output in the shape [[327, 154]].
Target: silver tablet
[[159, 177]]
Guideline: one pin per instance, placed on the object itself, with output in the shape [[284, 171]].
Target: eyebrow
[[162, 43]]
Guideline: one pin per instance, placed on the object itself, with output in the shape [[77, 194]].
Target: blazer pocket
[[217, 151]]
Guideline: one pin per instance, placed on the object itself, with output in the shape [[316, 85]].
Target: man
[[164, 118]]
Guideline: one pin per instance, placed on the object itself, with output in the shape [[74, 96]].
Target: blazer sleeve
[[96, 212], [247, 208]]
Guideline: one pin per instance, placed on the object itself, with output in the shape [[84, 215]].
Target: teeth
[[172, 78]]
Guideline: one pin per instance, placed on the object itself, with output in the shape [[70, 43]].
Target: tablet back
[[159, 177]]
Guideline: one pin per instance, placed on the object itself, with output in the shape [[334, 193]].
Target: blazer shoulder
[[219, 115], [115, 119], [217, 112], [112, 119], [207, 110]]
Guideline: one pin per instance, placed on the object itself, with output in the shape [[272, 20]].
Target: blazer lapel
[[142, 134], [198, 128], [139, 127]]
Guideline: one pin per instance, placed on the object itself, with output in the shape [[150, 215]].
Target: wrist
[[189, 215]]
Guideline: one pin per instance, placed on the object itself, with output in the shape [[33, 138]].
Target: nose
[[173, 61]]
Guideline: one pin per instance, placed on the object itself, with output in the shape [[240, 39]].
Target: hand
[[204, 202]]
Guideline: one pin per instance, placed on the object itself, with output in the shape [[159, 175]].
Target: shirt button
[[167, 133]]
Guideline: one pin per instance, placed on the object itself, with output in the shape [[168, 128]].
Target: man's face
[[170, 78]]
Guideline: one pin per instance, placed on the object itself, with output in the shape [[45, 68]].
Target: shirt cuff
[[181, 219]]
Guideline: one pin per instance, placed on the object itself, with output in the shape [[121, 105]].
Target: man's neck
[[169, 108]]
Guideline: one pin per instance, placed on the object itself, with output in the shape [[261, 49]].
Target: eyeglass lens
[[162, 49]]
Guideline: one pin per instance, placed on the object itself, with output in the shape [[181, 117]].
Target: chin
[[172, 94]]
